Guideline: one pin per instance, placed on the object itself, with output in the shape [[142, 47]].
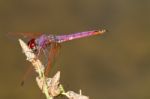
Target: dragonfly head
[[32, 44]]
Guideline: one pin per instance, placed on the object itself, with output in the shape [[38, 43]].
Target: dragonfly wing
[[25, 34], [28, 71], [53, 53]]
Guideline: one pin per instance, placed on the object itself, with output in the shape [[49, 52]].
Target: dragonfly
[[39, 43]]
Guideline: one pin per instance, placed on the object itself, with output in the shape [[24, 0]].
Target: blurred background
[[113, 66]]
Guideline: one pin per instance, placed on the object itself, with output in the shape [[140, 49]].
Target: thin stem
[[39, 68]]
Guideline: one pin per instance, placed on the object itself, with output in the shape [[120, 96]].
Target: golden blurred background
[[113, 66]]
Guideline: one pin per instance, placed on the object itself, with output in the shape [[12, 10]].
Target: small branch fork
[[51, 87]]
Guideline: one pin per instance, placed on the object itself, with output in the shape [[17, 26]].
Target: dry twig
[[51, 87]]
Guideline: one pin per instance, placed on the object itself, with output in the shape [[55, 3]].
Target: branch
[[51, 87]]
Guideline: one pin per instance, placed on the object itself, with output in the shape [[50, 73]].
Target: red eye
[[31, 43]]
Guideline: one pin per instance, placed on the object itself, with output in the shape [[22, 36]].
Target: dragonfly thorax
[[52, 38]]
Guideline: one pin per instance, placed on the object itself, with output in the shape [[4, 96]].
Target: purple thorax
[[41, 41]]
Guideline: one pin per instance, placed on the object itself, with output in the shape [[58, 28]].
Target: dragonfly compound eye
[[32, 44]]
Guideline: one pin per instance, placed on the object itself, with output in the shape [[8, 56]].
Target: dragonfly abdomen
[[69, 37]]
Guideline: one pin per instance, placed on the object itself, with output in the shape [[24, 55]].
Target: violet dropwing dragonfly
[[39, 42]]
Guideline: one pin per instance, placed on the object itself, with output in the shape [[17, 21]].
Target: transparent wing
[[53, 53], [28, 71], [25, 34]]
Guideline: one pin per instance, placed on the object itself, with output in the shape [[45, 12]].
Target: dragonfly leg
[[45, 51], [53, 52]]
